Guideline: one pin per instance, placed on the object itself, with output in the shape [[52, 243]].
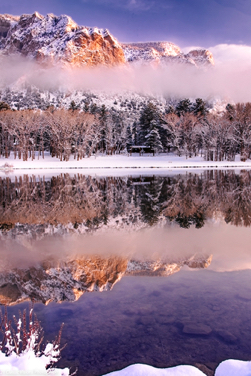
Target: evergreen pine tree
[[199, 108], [73, 106], [129, 141], [150, 119], [103, 124], [153, 140], [4, 106], [93, 108], [183, 107], [86, 107], [135, 133], [230, 111], [150, 203], [170, 110], [147, 121]]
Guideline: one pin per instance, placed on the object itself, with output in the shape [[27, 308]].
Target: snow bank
[[145, 370], [233, 367], [229, 367], [20, 352], [27, 364]]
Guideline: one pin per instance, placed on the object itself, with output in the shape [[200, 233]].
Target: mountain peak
[[165, 52], [201, 56], [58, 39]]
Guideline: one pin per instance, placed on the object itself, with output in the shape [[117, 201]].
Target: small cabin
[[141, 149]]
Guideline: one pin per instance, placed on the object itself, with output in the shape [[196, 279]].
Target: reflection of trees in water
[[238, 208], [62, 199], [151, 201], [193, 198], [59, 200], [187, 199]]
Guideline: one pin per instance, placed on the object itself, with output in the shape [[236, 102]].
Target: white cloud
[[231, 53], [190, 48], [138, 5], [227, 53]]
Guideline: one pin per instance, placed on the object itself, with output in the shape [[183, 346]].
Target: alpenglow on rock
[[166, 52], [54, 39], [58, 39]]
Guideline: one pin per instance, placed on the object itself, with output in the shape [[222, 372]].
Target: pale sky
[[184, 22]]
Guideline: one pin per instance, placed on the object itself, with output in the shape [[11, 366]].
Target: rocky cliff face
[[150, 51], [164, 53], [68, 280], [58, 39], [201, 57], [53, 39]]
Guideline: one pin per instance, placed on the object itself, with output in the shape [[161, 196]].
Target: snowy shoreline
[[101, 162]]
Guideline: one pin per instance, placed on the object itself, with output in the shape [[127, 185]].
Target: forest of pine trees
[[188, 129]]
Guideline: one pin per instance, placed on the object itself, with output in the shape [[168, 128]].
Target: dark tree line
[[188, 129], [191, 130]]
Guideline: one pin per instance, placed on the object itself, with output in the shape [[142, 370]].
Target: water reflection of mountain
[[83, 203], [69, 279]]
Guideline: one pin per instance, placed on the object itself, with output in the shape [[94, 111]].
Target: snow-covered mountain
[[56, 39], [201, 57], [166, 52], [150, 51]]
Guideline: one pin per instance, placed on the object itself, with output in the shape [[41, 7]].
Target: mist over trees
[[186, 128]]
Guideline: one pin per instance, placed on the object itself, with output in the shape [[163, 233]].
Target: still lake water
[[149, 269]]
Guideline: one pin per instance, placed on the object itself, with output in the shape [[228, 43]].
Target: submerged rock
[[197, 329], [226, 336]]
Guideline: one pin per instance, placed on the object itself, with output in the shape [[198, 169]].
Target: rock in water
[[197, 329]]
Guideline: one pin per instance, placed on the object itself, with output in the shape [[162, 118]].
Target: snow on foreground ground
[[145, 370], [227, 368], [163, 161], [29, 364]]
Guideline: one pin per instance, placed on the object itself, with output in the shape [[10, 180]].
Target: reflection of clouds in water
[[229, 246]]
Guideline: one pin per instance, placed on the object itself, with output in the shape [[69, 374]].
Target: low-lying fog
[[229, 246], [229, 78]]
